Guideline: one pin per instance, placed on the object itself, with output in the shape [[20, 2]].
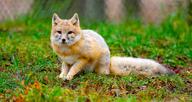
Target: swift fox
[[87, 50]]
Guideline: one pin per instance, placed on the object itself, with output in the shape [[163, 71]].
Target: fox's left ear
[[75, 19]]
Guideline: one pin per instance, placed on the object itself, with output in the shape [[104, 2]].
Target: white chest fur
[[70, 59]]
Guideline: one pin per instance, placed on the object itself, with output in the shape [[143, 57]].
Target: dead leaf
[[36, 85], [1, 69], [46, 79]]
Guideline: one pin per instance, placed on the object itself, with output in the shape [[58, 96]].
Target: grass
[[28, 66]]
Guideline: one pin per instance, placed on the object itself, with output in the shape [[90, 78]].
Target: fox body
[[86, 49]]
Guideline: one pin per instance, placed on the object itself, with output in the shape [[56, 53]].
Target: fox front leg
[[64, 71], [77, 67]]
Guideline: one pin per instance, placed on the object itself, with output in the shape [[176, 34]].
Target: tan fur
[[86, 49], [127, 65]]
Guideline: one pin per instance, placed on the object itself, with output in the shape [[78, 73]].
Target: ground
[[28, 66]]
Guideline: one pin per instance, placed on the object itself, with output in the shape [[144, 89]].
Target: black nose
[[63, 40]]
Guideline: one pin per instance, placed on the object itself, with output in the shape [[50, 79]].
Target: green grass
[[28, 66]]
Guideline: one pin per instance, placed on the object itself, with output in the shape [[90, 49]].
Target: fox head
[[65, 31]]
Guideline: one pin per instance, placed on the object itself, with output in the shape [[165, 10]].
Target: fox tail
[[125, 65]]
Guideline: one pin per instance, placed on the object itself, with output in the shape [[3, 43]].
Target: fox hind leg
[[103, 65]]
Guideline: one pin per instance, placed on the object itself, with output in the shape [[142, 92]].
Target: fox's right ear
[[55, 19]]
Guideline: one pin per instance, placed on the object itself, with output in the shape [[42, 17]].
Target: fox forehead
[[64, 28], [64, 25]]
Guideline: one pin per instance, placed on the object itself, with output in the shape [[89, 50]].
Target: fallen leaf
[[1, 69], [36, 85]]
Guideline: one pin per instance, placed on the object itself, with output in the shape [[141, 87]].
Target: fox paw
[[61, 76], [69, 77], [64, 77]]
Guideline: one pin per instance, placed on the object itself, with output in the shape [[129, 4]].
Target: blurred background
[[156, 29], [115, 11]]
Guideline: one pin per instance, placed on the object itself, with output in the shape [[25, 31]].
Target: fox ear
[[75, 20], [55, 19]]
